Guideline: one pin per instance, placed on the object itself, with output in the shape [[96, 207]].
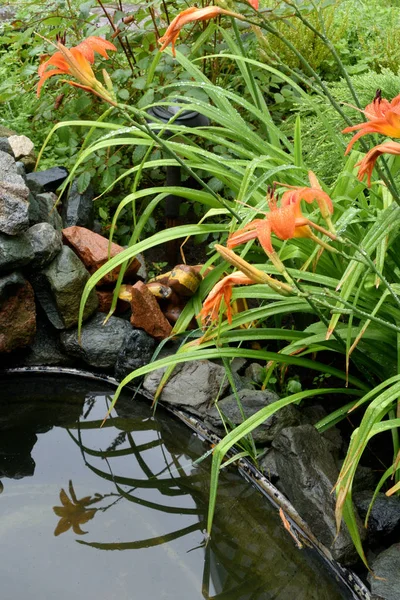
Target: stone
[[59, 288], [15, 251], [332, 436], [255, 372], [136, 351], [48, 180], [252, 401], [45, 348], [267, 465], [364, 478], [194, 385], [14, 195], [92, 249], [20, 145], [384, 575], [105, 298], [100, 344], [384, 518], [78, 208], [46, 243], [17, 313], [29, 163], [5, 146], [237, 364], [34, 211], [6, 131], [142, 272], [21, 169], [43, 209], [307, 475], [146, 313]]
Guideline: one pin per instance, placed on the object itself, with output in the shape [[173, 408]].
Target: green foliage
[[302, 37], [320, 151]]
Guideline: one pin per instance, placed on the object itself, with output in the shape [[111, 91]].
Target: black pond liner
[[299, 528]]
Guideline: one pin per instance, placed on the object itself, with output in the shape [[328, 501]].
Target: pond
[[120, 511]]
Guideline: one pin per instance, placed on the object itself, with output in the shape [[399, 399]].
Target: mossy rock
[[6, 132]]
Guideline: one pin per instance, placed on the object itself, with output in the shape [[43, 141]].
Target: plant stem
[[128, 58]]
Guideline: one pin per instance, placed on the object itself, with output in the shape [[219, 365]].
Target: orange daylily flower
[[222, 291], [286, 221], [246, 275], [383, 117], [191, 15], [76, 62], [367, 164]]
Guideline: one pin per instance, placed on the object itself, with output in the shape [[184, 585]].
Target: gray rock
[[43, 209], [135, 352], [14, 195], [332, 436], [255, 372], [78, 209], [384, 579], [21, 169], [34, 211], [252, 401], [59, 288], [268, 466], [100, 344], [364, 479], [8, 283], [46, 348], [237, 364], [15, 251], [20, 145], [307, 474], [142, 273], [194, 385], [46, 243], [46, 181], [384, 518], [5, 146]]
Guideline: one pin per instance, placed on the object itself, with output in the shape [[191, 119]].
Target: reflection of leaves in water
[[73, 513], [120, 439]]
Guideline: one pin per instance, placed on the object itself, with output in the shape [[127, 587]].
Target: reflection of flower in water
[[73, 513]]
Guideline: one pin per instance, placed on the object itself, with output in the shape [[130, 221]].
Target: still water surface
[[120, 512]]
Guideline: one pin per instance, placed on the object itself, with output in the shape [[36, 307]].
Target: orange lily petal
[[383, 117], [47, 75], [94, 44], [222, 290], [245, 234], [190, 15], [367, 164], [76, 62]]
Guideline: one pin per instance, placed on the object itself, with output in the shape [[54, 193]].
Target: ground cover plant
[[325, 274]]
